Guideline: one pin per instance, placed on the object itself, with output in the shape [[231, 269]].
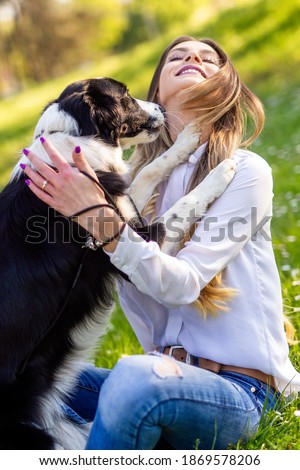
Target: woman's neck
[[177, 120]]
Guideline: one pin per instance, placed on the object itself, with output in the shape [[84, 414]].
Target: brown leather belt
[[180, 354]]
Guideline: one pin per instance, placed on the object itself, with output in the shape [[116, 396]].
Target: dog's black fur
[[40, 254]]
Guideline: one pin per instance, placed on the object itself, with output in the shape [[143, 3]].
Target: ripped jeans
[[149, 399]]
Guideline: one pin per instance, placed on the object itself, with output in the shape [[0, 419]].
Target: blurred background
[[46, 44], [45, 39]]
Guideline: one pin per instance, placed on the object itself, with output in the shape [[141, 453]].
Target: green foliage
[[146, 20], [119, 341], [30, 52], [262, 38], [103, 24]]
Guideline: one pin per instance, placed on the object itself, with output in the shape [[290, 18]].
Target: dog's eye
[[124, 128]]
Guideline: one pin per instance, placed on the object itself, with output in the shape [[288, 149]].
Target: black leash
[[110, 199], [136, 210]]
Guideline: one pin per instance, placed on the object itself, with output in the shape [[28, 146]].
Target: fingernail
[[77, 149], [42, 140], [22, 166], [27, 182], [26, 152]]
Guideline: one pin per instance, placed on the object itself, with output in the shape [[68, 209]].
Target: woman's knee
[[140, 377], [136, 387]]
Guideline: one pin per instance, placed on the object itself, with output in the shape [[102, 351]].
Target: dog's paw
[[225, 171], [220, 177], [187, 141]]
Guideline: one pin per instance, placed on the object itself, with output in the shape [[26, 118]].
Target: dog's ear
[[94, 105], [96, 114], [106, 114], [81, 111], [80, 101]]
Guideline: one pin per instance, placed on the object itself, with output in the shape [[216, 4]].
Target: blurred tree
[[45, 38], [147, 19], [105, 20], [35, 42]]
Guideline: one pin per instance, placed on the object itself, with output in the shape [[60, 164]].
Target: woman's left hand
[[65, 190]]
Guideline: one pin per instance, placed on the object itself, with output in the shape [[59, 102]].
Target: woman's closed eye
[[211, 60], [174, 57]]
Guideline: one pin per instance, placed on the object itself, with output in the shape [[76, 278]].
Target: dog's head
[[102, 108]]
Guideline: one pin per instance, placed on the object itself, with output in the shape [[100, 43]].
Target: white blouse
[[234, 234]]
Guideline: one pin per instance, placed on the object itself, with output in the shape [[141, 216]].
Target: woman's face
[[187, 63]]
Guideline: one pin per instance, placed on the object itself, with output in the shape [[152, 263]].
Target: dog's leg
[[67, 434], [143, 186], [190, 208]]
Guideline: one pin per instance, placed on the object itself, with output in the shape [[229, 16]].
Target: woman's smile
[[191, 69]]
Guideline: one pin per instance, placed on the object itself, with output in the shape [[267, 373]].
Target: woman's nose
[[192, 55]]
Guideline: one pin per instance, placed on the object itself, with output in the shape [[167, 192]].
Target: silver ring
[[45, 182]]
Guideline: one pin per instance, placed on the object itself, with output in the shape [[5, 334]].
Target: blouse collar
[[194, 157]]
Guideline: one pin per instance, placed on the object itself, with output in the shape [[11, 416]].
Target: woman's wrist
[[104, 224]]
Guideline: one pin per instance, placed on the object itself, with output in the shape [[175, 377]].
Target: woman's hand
[[65, 190], [68, 191]]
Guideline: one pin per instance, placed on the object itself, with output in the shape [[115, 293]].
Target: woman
[[229, 365]]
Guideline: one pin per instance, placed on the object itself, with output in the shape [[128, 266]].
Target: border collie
[[56, 297]]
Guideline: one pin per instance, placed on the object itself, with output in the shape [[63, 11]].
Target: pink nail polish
[[22, 166], [26, 152], [77, 149], [27, 182], [42, 140]]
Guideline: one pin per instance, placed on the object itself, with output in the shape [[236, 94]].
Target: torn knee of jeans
[[166, 366]]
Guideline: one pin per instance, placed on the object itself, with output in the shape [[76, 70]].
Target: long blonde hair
[[235, 117]]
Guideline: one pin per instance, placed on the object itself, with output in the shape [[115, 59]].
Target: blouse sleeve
[[242, 211]]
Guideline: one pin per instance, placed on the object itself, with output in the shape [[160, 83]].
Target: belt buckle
[[188, 356]]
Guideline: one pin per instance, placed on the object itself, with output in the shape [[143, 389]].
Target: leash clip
[[92, 244]]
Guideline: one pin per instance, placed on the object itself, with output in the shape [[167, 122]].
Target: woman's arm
[[221, 235]]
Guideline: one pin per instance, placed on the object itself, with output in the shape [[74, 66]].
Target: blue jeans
[[149, 399]]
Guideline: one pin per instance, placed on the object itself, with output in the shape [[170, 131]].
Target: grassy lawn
[[268, 57]]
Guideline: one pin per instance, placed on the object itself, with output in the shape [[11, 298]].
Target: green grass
[[278, 430], [263, 40]]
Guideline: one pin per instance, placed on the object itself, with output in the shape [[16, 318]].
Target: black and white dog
[[55, 296]]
